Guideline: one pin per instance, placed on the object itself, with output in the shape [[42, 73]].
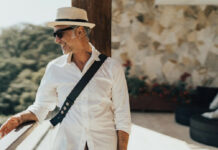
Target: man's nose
[[57, 40]]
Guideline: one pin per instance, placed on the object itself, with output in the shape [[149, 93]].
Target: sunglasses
[[59, 33]]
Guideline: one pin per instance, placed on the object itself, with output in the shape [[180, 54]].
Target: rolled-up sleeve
[[46, 96], [120, 98]]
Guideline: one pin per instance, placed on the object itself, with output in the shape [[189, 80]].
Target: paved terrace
[[150, 131]]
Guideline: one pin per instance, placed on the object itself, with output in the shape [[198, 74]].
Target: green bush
[[25, 50]]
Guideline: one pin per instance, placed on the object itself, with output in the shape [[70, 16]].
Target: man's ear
[[80, 32]]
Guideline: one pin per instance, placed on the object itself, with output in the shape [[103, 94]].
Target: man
[[100, 118]]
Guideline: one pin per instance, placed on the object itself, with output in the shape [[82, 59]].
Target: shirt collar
[[94, 55]]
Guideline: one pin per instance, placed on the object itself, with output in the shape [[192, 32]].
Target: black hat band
[[75, 20]]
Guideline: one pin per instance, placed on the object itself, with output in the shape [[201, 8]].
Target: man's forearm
[[123, 138], [16, 120], [27, 116]]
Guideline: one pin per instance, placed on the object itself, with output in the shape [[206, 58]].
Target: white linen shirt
[[100, 109]]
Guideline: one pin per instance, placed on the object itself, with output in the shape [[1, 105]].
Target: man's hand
[[16, 120], [12, 123], [123, 138]]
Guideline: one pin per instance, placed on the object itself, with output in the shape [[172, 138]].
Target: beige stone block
[[181, 35], [171, 72], [115, 42], [187, 61], [124, 56], [142, 37], [138, 70], [191, 37], [206, 35], [169, 48], [167, 16], [179, 15], [137, 27], [187, 57], [152, 66], [212, 19], [212, 62], [154, 36], [124, 20], [115, 45], [203, 52], [142, 40], [139, 57], [204, 78], [116, 54], [191, 12], [115, 6], [157, 28], [201, 21], [116, 16], [156, 45], [141, 7], [190, 24], [181, 32], [130, 46], [149, 19], [202, 71], [196, 78], [214, 49], [202, 7], [172, 57], [192, 49], [214, 82], [168, 37], [119, 4]]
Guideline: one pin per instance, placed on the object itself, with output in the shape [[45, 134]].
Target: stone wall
[[163, 42]]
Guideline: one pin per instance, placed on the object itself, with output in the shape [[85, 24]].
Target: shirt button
[[62, 112], [65, 108], [67, 103]]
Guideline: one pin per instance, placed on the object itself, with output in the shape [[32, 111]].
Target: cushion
[[211, 115], [214, 103]]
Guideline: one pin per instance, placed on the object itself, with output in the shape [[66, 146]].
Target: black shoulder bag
[[77, 90]]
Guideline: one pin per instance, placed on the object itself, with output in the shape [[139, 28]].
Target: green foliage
[[135, 84], [3, 119], [178, 91], [25, 50]]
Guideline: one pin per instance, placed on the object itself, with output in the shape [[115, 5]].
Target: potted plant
[[156, 96]]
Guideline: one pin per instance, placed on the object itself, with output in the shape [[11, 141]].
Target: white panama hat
[[71, 16]]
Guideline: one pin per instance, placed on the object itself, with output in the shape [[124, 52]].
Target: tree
[[25, 50]]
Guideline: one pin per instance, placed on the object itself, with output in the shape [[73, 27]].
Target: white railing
[[16, 137], [28, 136]]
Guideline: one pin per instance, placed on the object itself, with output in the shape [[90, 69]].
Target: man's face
[[68, 41]]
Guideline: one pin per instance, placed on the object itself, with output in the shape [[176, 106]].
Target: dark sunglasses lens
[[58, 34]]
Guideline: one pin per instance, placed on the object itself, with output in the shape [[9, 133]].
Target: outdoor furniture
[[184, 112], [200, 104], [204, 130]]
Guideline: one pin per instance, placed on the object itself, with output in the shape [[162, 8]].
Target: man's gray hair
[[87, 30]]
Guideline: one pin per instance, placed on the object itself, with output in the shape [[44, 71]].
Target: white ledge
[[16, 136], [186, 2]]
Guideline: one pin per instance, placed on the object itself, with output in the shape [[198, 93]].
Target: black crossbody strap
[[77, 90]]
